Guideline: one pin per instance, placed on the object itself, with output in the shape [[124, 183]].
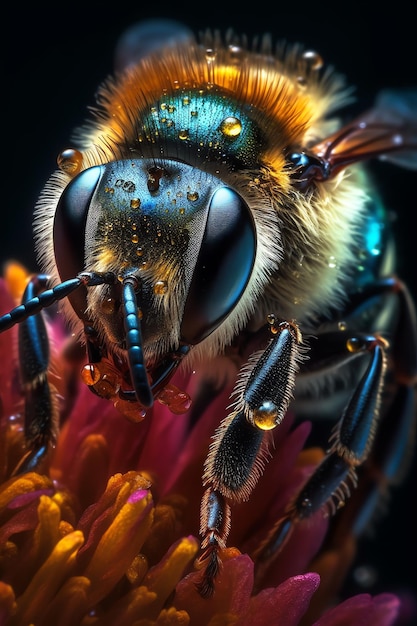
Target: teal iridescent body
[[204, 123]]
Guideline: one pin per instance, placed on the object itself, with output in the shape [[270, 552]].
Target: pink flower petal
[[363, 610], [232, 595], [285, 604]]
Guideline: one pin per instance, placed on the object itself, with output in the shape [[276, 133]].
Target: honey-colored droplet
[[355, 344], [192, 196], [108, 306], [231, 127], [70, 161], [176, 400], [210, 54], [135, 203], [108, 385], [133, 411], [183, 134], [265, 417], [313, 60], [235, 54], [135, 239], [160, 287], [90, 374]]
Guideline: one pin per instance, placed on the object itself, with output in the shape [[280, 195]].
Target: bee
[[216, 212]]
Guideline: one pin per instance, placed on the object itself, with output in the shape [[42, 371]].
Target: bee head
[[187, 238]]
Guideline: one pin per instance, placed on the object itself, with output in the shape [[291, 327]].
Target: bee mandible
[[216, 210]]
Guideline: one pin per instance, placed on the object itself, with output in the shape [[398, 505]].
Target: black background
[[54, 59]]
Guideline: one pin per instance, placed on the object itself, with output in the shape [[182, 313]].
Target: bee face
[[169, 227]]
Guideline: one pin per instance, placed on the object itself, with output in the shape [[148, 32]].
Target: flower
[[105, 532]]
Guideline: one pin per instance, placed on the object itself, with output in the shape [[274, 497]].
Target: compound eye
[[224, 265], [69, 228]]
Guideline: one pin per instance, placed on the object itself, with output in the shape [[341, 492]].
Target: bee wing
[[388, 131]]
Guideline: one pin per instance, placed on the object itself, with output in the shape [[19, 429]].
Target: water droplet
[[135, 203], [210, 55], [235, 54], [183, 134], [108, 306], [265, 417], [355, 344], [342, 325], [90, 374], [133, 411], [313, 60], [70, 161], [231, 127], [103, 377], [192, 196], [160, 287], [176, 400], [332, 262], [139, 251], [135, 238]]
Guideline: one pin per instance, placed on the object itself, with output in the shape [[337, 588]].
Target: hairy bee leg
[[394, 443], [216, 523], [40, 405], [329, 349], [41, 413], [350, 444], [239, 449]]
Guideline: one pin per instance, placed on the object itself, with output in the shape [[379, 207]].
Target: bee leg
[[391, 454], [239, 449], [350, 444], [41, 411]]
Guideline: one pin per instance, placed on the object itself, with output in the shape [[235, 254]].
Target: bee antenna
[[134, 342]]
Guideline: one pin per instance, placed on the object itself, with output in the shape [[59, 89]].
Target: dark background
[[55, 59]]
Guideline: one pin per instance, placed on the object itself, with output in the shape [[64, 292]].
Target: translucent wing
[[388, 131]]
